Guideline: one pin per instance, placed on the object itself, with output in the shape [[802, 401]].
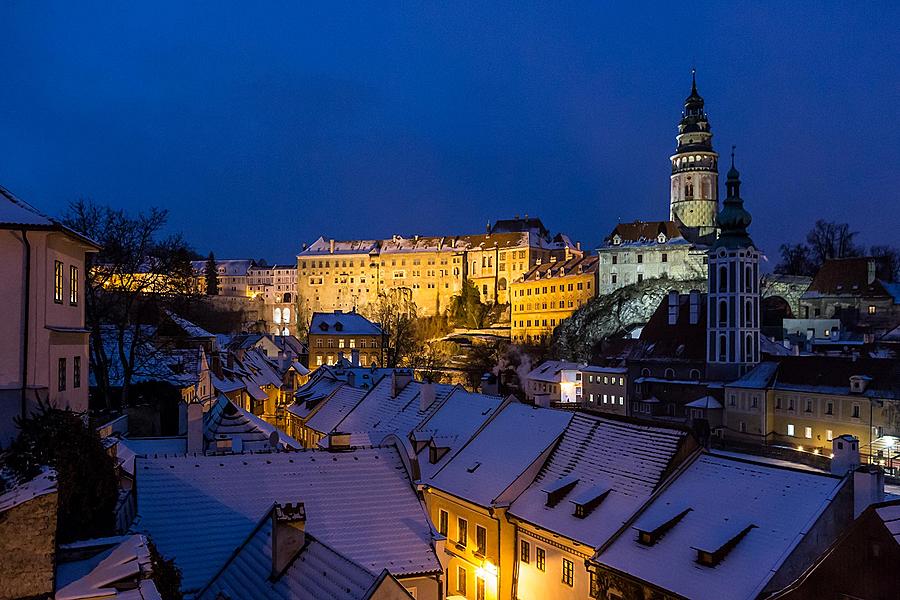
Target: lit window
[[443, 521], [540, 559], [480, 540], [57, 282], [525, 552], [462, 532], [872, 309], [829, 435], [790, 429], [568, 572], [461, 581], [807, 433], [73, 285]]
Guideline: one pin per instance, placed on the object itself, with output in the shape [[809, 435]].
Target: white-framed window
[[790, 429], [829, 435], [807, 432]]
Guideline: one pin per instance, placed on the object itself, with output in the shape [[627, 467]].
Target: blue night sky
[[261, 128]]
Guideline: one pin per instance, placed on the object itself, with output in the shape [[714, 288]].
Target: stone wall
[[27, 548]]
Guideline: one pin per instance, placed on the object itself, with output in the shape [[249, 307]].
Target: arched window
[[748, 313], [287, 297], [276, 315], [645, 372], [689, 190], [286, 315], [723, 313], [748, 348], [695, 374], [501, 284], [723, 278], [748, 279], [723, 348], [670, 373]]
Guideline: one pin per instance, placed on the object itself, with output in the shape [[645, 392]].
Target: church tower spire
[[694, 198], [733, 296]]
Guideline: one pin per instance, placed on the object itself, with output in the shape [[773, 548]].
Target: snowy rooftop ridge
[[43, 483]]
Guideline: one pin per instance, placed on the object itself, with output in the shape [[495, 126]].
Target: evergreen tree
[[86, 477], [212, 276]]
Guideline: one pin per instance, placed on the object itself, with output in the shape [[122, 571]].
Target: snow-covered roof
[[550, 370], [379, 413], [707, 402], [492, 460], [335, 408], [199, 509], [890, 516], [342, 323], [121, 572], [190, 329], [318, 571], [127, 449], [759, 377], [43, 483], [752, 515], [15, 212], [233, 267], [452, 425], [616, 466], [225, 419]]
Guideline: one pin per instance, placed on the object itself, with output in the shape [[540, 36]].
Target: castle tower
[[694, 198], [733, 295]]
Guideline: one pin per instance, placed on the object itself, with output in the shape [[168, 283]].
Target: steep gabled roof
[[644, 232], [342, 323], [18, 214], [859, 276], [200, 509], [746, 517], [621, 461], [494, 458]]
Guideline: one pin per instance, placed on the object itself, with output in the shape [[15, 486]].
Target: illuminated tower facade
[[694, 199]]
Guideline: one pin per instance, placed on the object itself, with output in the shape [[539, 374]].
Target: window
[[829, 435], [807, 432], [754, 402], [525, 552], [742, 427], [809, 406], [855, 413], [461, 581], [73, 285], [872, 309], [640, 258], [790, 429], [57, 282], [480, 539], [540, 559], [731, 400], [76, 372], [443, 522], [462, 531], [61, 375], [829, 408], [479, 588], [568, 572], [664, 257]]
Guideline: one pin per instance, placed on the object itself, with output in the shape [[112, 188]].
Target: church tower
[[694, 199], [733, 295]]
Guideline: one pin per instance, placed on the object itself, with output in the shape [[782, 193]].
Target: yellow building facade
[[427, 271], [548, 294]]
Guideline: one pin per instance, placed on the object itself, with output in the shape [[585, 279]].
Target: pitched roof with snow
[[890, 516], [119, 568], [379, 413], [638, 233], [616, 466], [335, 408], [492, 460], [199, 510], [580, 265], [16, 213], [18, 493], [746, 516], [342, 323], [226, 420], [550, 370], [318, 572], [452, 425], [858, 276]]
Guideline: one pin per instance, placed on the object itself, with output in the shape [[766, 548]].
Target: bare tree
[[395, 311], [831, 240], [795, 260], [130, 283], [890, 259]]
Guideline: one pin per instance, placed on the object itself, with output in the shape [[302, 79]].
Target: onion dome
[[733, 220]]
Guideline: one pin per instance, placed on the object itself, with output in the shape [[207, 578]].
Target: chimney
[[673, 307], [331, 246], [340, 356], [868, 488], [195, 428], [288, 535], [844, 454], [695, 307], [216, 366], [578, 246], [426, 396], [399, 380], [230, 360], [354, 357]]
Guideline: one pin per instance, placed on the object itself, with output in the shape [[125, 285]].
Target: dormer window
[[585, 502], [661, 238], [711, 558], [323, 326], [557, 490], [651, 534], [616, 240], [436, 453]]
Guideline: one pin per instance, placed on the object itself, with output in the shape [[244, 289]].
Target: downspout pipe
[[26, 309]]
